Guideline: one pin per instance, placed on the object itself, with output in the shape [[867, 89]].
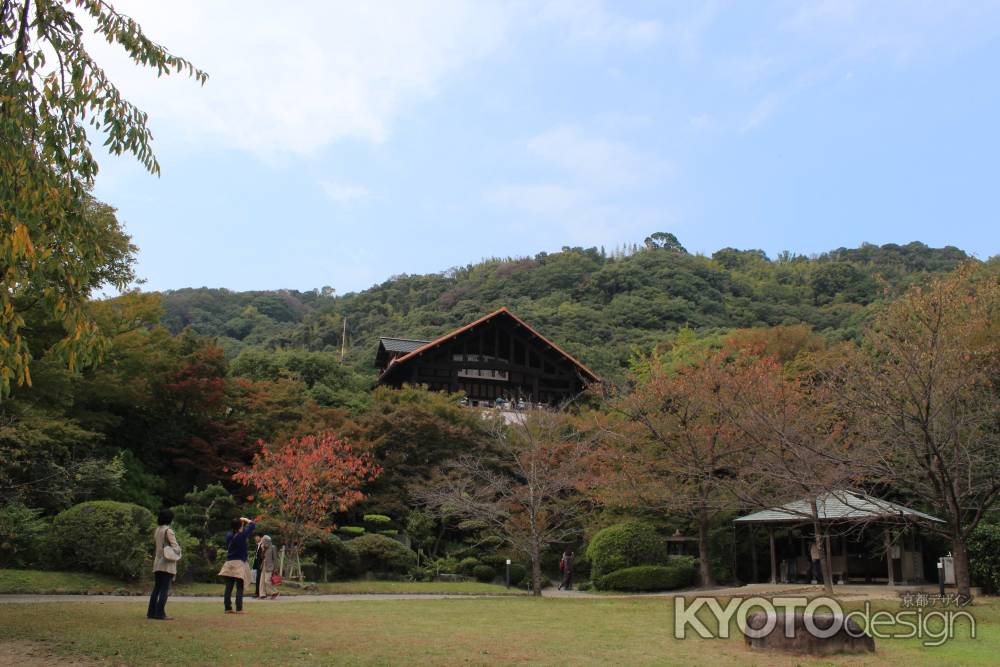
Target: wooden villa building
[[497, 358]]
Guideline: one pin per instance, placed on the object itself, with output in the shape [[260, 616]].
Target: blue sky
[[342, 143]]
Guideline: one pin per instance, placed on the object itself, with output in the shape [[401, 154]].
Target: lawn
[[80, 583], [477, 630]]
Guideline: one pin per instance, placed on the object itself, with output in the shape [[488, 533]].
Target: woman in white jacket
[[267, 589], [164, 566]]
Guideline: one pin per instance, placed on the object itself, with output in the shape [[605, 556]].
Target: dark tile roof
[[837, 506], [401, 345]]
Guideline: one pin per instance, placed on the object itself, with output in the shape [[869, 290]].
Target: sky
[[342, 143]]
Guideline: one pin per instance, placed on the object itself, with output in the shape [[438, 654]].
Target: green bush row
[[679, 573]]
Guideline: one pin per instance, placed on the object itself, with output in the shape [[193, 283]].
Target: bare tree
[[924, 395], [527, 490], [677, 449], [799, 449]]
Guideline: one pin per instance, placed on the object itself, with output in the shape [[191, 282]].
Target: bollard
[[940, 565]]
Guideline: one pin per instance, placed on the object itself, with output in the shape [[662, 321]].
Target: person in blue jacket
[[236, 570]]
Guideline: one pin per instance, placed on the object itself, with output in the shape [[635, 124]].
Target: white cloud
[[290, 79], [596, 161], [590, 21], [543, 200], [589, 194], [343, 193]]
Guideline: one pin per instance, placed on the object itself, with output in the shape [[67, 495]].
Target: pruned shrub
[[625, 545], [984, 556], [351, 531], [466, 566], [484, 573], [188, 566], [104, 536], [21, 533], [517, 573], [677, 574], [378, 553], [335, 559]]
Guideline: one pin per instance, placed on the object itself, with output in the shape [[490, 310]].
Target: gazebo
[[840, 513]]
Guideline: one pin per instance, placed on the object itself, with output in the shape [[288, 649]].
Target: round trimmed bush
[[517, 573], [625, 545], [467, 566], [677, 574], [484, 573], [104, 536], [378, 553]]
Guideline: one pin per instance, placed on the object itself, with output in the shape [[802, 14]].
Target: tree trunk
[[961, 555], [536, 570], [823, 560], [704, 555]]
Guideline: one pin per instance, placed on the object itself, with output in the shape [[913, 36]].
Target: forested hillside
[[600, 306]]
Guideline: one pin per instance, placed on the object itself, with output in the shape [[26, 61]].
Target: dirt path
[[37, 654]]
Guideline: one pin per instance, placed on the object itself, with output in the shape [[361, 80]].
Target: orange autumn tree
[[304, 481]]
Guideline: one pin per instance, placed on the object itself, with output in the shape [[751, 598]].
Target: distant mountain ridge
[[600, 306]]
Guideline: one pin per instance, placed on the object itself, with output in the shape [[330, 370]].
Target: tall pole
[[343, 341]]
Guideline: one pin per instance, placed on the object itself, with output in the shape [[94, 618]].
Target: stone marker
[[848, 637]]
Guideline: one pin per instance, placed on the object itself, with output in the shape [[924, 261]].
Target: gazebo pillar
[[774, 555], [888, 558]]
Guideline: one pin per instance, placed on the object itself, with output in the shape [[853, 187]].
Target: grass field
[[478, 630], [79, 583]]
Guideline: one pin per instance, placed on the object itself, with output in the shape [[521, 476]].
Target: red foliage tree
[[304, 481]]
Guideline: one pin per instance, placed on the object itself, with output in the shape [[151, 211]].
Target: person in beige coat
[[270, 564], [164, 567]]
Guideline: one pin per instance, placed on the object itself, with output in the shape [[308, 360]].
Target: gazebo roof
[[838, 506]]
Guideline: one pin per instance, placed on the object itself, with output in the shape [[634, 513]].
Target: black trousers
[[230, 581], [158, 598], [256, 587]]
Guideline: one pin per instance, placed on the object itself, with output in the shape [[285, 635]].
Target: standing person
[[817, 568], [268, 589], [258, 563], [168, 552], [235, 570], [566, 567]]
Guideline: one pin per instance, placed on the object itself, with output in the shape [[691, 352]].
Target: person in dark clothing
[[235, 570], [566, 567], [258, 562], [164, 567]]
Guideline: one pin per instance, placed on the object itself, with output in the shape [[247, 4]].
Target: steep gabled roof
[[837, 506], [588, 374], [401, 345]]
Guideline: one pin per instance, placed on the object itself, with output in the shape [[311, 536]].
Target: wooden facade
[[496, 357]]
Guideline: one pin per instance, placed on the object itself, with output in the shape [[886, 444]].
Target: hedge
[[378, 553], [625, 545], [104, 536], [984, 556], [678, 574], [484, 573]]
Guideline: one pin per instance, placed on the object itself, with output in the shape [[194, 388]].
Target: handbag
[[169, 552], [275, 579]]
